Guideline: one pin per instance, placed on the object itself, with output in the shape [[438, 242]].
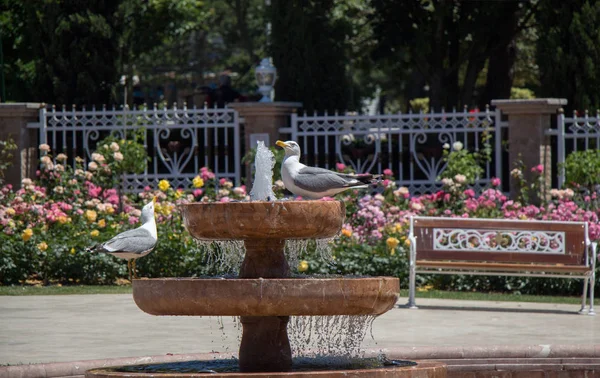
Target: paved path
[[79, 327]]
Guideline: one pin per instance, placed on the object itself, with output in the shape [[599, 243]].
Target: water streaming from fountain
[[327, 318]]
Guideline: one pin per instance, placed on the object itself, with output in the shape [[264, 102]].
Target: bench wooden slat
[[501, 267], [429, 254], [494, 224]]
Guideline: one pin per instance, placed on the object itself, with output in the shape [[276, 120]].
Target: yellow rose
[[109, 209], [303, 266], [95, 233], [10, 211], [101, 223], [27, 234], [178, 193], [42, 246], [163, 185], [346, 232], [91, 215], [392, 243], [198, 182], [72, 251], [62, 219], [407, 242]]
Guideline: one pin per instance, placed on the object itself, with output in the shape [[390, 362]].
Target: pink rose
[[197, 192], [388, 172], [340, 166], [495, 181]]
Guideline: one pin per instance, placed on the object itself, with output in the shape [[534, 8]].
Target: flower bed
[[47, 225]]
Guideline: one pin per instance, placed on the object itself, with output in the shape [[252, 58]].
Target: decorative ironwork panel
[[179, 141], [411, 145], [551, 242], [576, 133]]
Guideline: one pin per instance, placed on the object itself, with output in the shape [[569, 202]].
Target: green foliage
[[521, 93], [308, 49], [420, 105], [568, 51], [582, 168], [124, 155], [6, 148], [351, 258], [460, 161]]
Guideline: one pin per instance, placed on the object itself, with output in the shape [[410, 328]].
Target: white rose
[[114, 146], [92, 166], [61, 157], [461, 179], [457, 146], [446, 146], [59, 190], [447, 181], [118, 156], [98, 157], [416, 206]]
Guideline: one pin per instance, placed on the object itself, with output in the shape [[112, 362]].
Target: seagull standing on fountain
[[313, 182], [133, 244]]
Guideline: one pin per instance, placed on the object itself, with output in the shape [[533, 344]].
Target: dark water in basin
[[231, 365]]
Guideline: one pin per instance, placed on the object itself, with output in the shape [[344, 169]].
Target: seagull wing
[[319, 180], [137, 240]]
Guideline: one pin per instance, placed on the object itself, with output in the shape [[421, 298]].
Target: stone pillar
[[263, 119], [13, 122], [528, 121]]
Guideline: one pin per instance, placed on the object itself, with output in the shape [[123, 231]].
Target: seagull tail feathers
[[95, 249], [368, 178]]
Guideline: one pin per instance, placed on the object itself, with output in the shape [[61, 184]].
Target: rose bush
[[46, 226]]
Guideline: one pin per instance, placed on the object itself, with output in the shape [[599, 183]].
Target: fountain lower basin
[[425, 369], [266, 297]]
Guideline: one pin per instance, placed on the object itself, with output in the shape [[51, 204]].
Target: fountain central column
[[265, 345]]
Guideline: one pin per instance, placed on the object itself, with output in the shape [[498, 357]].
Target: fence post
[[13, 123], [528, 121], [262, 120]]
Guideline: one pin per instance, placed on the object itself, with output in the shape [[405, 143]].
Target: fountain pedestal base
[[265, 346]]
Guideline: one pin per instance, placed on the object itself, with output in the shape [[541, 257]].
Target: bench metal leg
[[412, 274], [593, 279], [586, 280]]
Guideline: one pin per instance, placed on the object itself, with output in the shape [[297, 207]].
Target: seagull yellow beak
[[281, 144]]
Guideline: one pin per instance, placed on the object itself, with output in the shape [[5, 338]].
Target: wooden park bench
[[503, 248]]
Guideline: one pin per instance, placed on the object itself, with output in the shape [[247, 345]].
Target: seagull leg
[[129, 269], [134, 271]]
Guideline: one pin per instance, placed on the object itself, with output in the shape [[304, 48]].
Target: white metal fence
[[408, 144], [576, 133], [179, 141]]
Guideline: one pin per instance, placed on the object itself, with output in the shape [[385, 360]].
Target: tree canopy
[[330, 54]]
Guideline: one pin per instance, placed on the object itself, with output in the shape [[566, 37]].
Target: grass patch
[[64, 290], [438, 294], [500, 297]]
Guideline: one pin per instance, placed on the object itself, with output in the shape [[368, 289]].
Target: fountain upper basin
[[263, 220]]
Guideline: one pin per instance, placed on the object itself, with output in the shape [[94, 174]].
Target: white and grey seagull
[[314, 182], [133, 244]]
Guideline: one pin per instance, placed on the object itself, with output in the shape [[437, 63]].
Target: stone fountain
[[264, 295]]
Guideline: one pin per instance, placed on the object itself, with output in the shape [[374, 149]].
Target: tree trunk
[[500, 74]]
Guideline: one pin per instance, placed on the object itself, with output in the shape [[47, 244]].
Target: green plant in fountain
[[6, 148]]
